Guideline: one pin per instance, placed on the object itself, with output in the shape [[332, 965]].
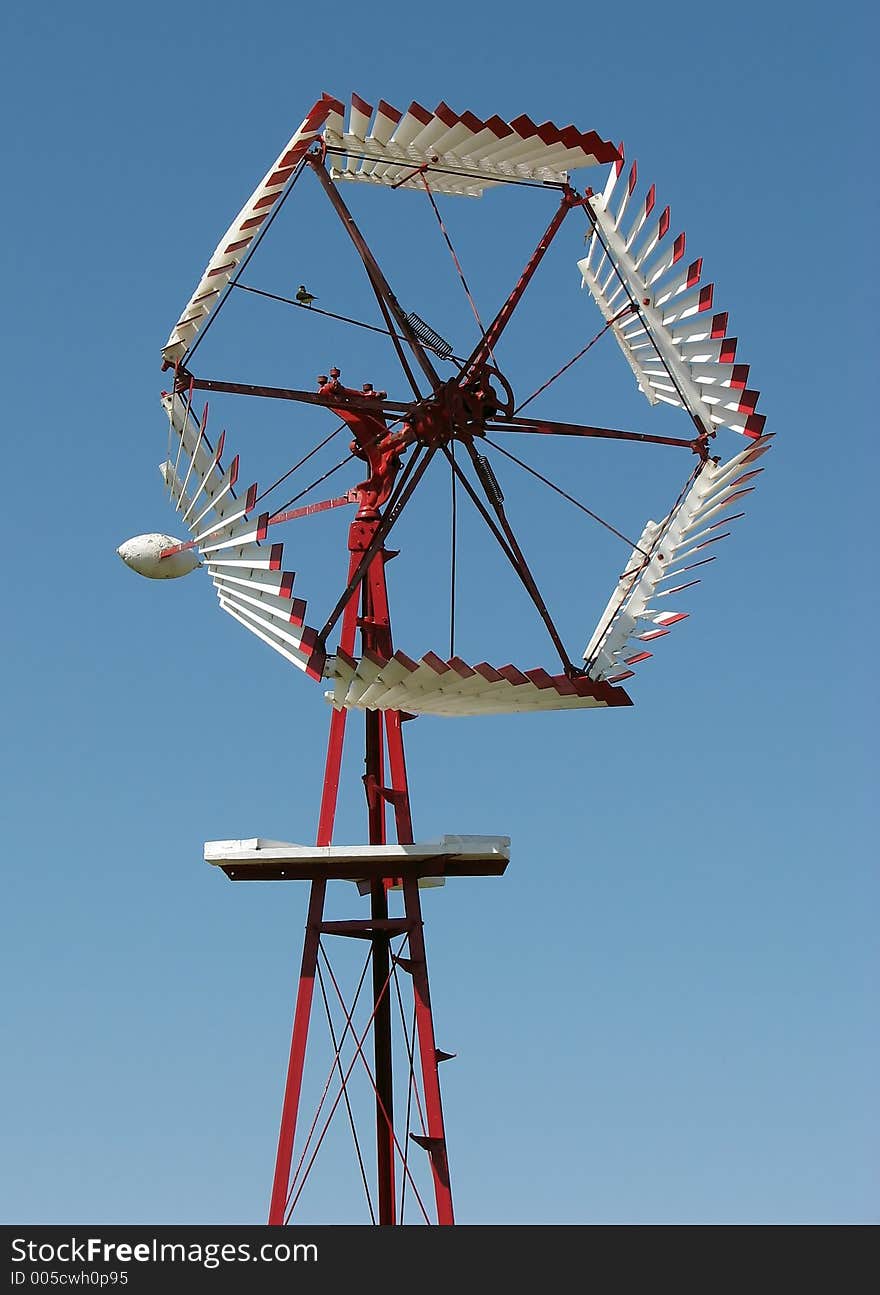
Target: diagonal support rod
[[487, 344], [547, 428], [512, 551], [337, 1048], [522, 568], [481, 508], [369, 404], [386, 297]]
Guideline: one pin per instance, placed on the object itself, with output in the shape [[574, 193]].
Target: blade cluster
[[253, 588], [383, 148], [465, 153], [677, 348], [235, 243], [661, 315], [248, 576], [636, 612], [433, 686]]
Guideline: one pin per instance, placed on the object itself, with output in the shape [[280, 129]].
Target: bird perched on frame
[[303, 296]]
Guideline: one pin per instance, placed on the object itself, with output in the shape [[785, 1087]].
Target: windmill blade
[[271, 582], [252, 588], [433, 686], [237, 240], [658, 338], [246, 573], [668, 545], [464, 154]]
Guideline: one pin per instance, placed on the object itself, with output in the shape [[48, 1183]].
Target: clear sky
[[665, 1012]]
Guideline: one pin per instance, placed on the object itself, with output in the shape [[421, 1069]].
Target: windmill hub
[[458, 410]]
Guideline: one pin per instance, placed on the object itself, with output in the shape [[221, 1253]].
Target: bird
[[303, 296]]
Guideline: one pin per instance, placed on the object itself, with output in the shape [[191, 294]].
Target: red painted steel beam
[[367, 926], [392, 512], [296, 1063], [486, 346], [382, 1063], [428, 1056], [383, 738], [375, 639], [306, 511], [367, 403], [418, 967], [378, 280], [547, 428], [305, 989], [511, 550]]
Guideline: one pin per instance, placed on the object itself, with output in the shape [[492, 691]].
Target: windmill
[[652, 299]]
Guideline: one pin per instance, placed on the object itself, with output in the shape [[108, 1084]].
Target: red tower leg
[[290, 1107], [383, 744], [305, 990], [436, 1135], [435, 1142]]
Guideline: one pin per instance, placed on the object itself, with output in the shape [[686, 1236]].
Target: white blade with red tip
[[237, 240], [245, 569], [661, 554], [436, 687], [461, 153], [670, 312]]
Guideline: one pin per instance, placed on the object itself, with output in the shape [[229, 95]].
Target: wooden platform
[[259, 859]]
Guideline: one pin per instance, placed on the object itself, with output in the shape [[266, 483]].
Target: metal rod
[[401, 354], [579, 429], [293, 1085], [348, 1028], [382, 1058], [574, 359], [447, 170], [375, 637], [377, 278], [594, 222], [359, 1055], [382, 734], [242, 265], [308, 510], [337, 1047], [515, 555], [305, 990], [315, 310], [368, 403], [428, 1055], [565, 495], [489, 341], [383, 643]]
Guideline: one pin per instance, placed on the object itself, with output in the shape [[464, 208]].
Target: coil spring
[[428, 337], [488, 478]]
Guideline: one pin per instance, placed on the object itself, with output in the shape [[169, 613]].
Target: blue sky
[[665, 1012]]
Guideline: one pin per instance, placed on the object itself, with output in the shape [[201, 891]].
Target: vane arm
[[308, 510], [387, 300], [547, 428], [369, 404], [487, 343]]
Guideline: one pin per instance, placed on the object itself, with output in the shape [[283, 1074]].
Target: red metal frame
[[383, 744], [464, 408]]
